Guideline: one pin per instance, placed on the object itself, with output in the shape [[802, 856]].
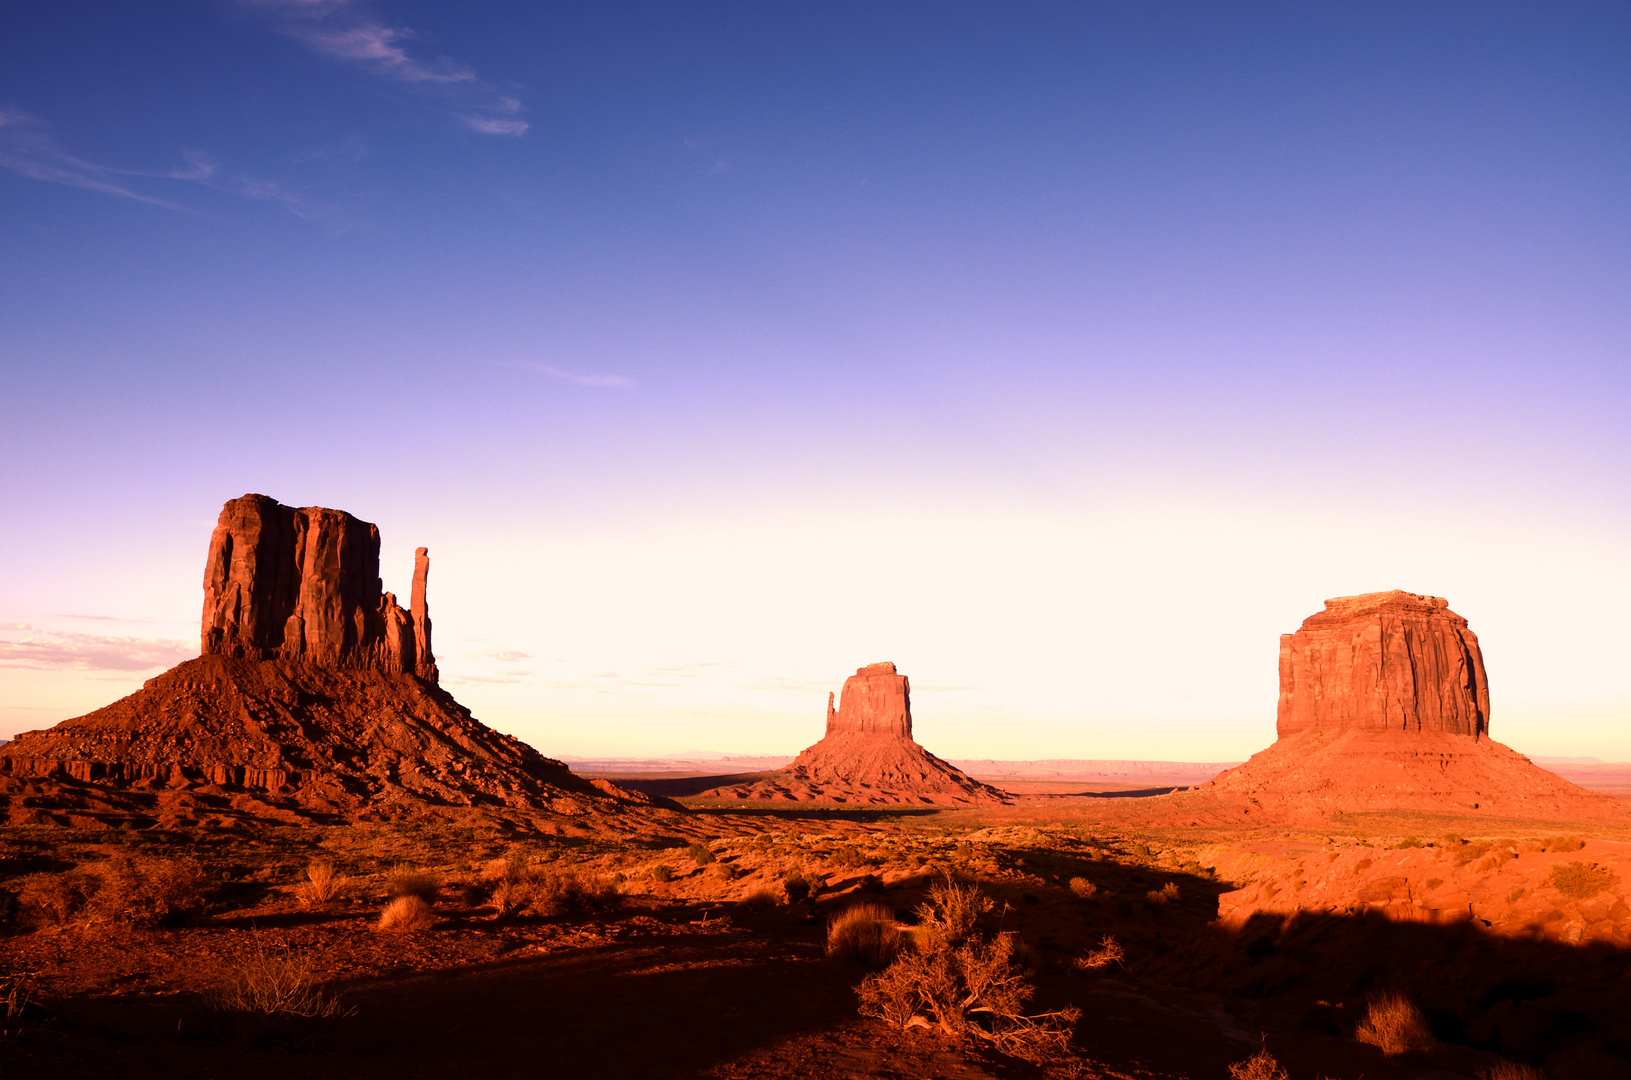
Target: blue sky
[[744, 345]]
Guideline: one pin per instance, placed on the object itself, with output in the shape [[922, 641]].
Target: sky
[[1065, 355]]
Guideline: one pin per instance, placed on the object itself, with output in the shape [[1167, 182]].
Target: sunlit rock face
[[877, 700], [282, 583], [1386, 662]]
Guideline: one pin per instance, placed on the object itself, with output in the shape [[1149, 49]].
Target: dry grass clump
[[700, 853], [407, 914], [1260, 1066], [865, 934], [322, 884], [1109, 952], [972, 990], [55, 899], [1083, 888], [762, 898], [1580, 881], [1411, 842], [514, 886], [275, 982], [1165, 894], [662, 873], [1394, 1026], [405, 880], [1511, 1070]]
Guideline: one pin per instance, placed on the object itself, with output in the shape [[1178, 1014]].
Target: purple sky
[[1065, 355]]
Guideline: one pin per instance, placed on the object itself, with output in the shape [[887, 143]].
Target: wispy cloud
[[28, 148], [348, 31], [612, 381], [91, 652]]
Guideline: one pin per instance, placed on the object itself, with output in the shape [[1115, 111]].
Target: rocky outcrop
[[1387, 661], [316, 699], [1384, 706], [303, 584], [868, 755]]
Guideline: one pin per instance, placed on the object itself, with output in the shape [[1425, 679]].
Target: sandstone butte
[[1384, 705], [315, 699], [868, 755]]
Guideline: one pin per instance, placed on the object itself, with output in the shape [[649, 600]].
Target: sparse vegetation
[[322, 884], [1411, 842], [275, 982], [661, 872], [761, 898], [132, 891], [407, 914], [405, 880], [1511, 1070], [700, 853], [865, 934], [797, 887], [970, 991], [1260, 1066], [1083, 888], [1394, 1026], [1564, 843], [1580, 881], [1109, 952], [948, 916], [55, 899]]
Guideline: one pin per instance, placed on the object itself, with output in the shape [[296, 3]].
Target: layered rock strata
[[283, 583], [868, 755], [1388, 661], [316, 699]]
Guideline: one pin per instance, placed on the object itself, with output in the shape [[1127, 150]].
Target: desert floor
[[684, 956]]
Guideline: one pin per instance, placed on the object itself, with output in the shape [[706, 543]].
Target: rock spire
[[303, 584]]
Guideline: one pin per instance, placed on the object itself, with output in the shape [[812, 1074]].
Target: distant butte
[[315, 700], [1384, 705], [868, 755]]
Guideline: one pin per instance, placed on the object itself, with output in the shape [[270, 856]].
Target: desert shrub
[[763, 842], [848, 856], [1142, 851], [725, 871], [951, 911], [1171, 891], [1433, 883], [272, 983], [864, 934], [1564, 843], [1580, 881], [971, 992], [406, 914], [700, 853], [797, 887], [144, 891], [762, 898], [1109, 952], [1260, 1066], [1466, 853], [322, 883], [661, 872], [570, 892], [405, 880], [1394, 1026], [1083, 888], [1451, 840], [56, 899], [1411, 842], [1511, 1070]]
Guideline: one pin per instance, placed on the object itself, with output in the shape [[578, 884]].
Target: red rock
[[282, 583], [868, 755], [1388, 661]]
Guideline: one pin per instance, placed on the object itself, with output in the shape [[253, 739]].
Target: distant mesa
[[1384, 705], [868, 755], [315, 700]]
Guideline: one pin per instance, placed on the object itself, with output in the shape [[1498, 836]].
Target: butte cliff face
[[315, 699], [1388, 661], [303, 584], [868, 755], [1384, 705]]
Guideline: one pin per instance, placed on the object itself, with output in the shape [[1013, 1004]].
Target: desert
[[815, 541], [296, 853]]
